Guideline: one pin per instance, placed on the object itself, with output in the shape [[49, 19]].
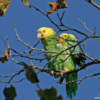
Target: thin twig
[[84, 47], [94, 4], [85, 26], [78, 79]]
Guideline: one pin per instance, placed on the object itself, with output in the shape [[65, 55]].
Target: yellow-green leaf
[[26, 3], [4, 4], [4, 58]]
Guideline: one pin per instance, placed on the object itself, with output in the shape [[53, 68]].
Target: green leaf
[[10, 93], [48, 94], [30, 74]]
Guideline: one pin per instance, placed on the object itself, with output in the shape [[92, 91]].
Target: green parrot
[[68, 41], [71, 40], [49, 39], [62, 62]]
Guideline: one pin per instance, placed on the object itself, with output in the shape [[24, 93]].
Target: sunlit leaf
[[59, 4], [4, 4], [4, 58], [49, 94], [10, 93], [26, 3]]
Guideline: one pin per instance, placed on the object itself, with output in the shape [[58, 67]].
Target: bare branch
[[30, 57], [4, 42], [85, 26], [78, 79], [15, 75], [84, 47], [46, 16], [94, 4], [36, 44], [62, 15]]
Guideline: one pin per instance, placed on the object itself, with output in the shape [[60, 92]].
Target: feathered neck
[[50, 40]]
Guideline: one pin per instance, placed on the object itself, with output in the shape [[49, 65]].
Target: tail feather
[[71, 88]]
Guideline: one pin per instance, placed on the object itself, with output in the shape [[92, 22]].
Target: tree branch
[[94, 4]]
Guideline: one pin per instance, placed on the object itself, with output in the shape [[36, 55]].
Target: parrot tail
[[71, 88]]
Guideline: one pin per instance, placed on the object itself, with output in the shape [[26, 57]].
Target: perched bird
[[49, 39], [62, 62], [71, 41]]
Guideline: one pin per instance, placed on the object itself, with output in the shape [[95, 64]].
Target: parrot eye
[[43, 30]]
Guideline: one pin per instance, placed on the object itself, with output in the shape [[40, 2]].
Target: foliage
[[49, 94], [30, 74], [10, 93], [56, 5], [4, 4], [4, 58]]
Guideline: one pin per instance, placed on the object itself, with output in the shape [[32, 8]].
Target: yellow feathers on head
[[44, 32], [64, 35], [69, 36], [72, 36]]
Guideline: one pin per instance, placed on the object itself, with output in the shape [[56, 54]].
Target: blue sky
[[27, 21]]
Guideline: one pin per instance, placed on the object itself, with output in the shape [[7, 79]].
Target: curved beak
[[39, 36]]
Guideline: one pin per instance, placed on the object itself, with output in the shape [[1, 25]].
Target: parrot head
[[63, 37], [44, 32], [66, 37]]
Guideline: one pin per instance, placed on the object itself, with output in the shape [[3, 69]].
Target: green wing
[[72, 41], [68, 64]]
